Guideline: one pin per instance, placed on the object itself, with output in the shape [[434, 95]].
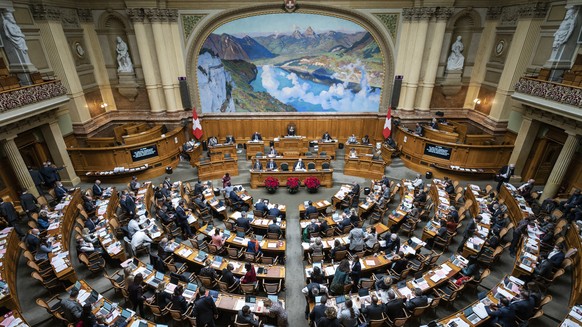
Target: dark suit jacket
[[523, 308], [261, 206], [271, 165], [182, 217], [228, 277], [309, 210], [503, 316], [204, 311], [301, 165], [234, 197], [274, 212], [129, 205], [28, 202], [504, 170], [317, 313], [419, 301], [256, 137], [394, 308], [557, 259], [60, 192], [133, 186], [399, 265], [31, 242], [243, 222], [97, 190], [90, 225], [257, 166], [373, 311], [36, 177], [274, 228], [179, 303]]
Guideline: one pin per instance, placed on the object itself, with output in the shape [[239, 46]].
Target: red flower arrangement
[[293, 184], [271, 183], [312, 183]]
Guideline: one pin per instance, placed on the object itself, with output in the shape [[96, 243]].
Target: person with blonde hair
[[277, 311], [330, 318]]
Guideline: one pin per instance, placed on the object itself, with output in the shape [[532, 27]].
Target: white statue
[[565, 29], [456, 58], [13, 32], [123, 59]]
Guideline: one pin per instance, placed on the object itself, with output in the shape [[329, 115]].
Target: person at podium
[[271, 165], [291, 131], [256, 137], [326, 137], [434, 124], [419, 130], [365, 140], [299, 165], [272, 152], [230, 139], [257, 165], [352, 139], [212, 141]]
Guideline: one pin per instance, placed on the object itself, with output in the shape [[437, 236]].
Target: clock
[[500, 47], [79, 51]]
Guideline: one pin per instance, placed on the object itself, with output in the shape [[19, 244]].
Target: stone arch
[[204, 28]]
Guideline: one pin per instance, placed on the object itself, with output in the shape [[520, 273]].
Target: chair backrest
[[558, 273], [547, 299], [420, 310], [33, 265], [340, 255], [232, 252], [37, 276], [28, 256], [484, 274], [247, 288], [223, 286], [240, 324], [311, 165], [42, 303], [377, 322], [84, 259], [212, 249], [206, 281], [273, 236], [272, 288], [284, 166], [325, 165]]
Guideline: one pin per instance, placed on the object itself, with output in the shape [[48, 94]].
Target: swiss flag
[[196, 127], [388, 124]]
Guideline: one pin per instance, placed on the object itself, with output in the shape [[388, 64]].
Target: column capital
[[43, 12], [9, 138], [443, 13], [533, 10], [172, 15], [85, 15], [493, 13], [156, 15], [136, 15], [572, 133], [418, 13]]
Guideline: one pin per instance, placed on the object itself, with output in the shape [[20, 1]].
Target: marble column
[[172, 57], [59, 54], [564, 159], [401, 56], [157, 102], [436, 44], [522, 46], [156, 17], [482, 57], [19, 166], [56, 144], [95, 53], [420, 20], [523, 144]]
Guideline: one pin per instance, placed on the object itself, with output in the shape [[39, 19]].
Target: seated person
[[557, 256], [394, 306], [271, 165], [291, 131], [390, 142], [250, 276], [420, 300], [384, 283], [316, 247], [43, 220], [375, 310], [230, 139], [352, 139], [353, 153], [274, 211], [253, 246], [392, 242], [256, 137], [501, 315], [262, 206], [310, 209], [245, 316], [526, 189], [208, 271], [257, 165], [243, 221], [419, 130], [326, 137], [272, 151], [299, 165], [418, 183], [212, 141], [434, 124], [228, 276], [366, 140], [274, 227], [337, 246]]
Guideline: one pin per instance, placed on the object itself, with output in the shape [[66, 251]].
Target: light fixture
[[477, 101], [104, 105]]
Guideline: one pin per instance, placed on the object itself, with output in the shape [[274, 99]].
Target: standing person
[[182, 219], [277, 311], [136, 296], [37, 179], [28, 203], [226, 180], [204, 309], [341, 277], [97, 189], [504, 175], [8, 212], [88, 318], [72, 307]]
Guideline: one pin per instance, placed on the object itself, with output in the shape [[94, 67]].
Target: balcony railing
[[26, 95], [566, 94]]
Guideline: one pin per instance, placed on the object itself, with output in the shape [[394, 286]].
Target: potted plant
[[271, 183], [293, 184], [312, 184]]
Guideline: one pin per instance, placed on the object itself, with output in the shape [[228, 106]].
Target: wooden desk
[[341, 194], [144, 136], [324, 176], [329, 241], [360, 148], [430, 283], [254, 147], [364, 167], [298, 144], [370, 264], [317, 160], [11, 319], [195, 154], [220, 150], [438, 135], [328, 147], [269, 246], [9, 260], [387, 153], [216, 169], [517, 208], [573, 241], [233, 303], [106, 235], [321, 206]]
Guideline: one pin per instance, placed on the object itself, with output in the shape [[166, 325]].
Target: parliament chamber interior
[[427, 155]]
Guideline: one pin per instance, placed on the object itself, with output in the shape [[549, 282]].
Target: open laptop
[[105, 309], [190, 290], [92, 298], [158, 278], [340, 299]]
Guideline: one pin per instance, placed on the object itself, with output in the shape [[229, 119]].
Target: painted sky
[[286, 24]]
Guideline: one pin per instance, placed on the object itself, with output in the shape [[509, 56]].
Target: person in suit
[[420, 197], [230, 139], [60, 191], [365, 140], [262, 206], [274, 211], [50, 174], [469, 231], [390, 142], [32, 239], [434, 124], [523, 305], [355, 189], [326, 137], [178, 300], [72, 308], [330, 318], [161, 297], [352, 139], [419, 130], [346, 221], [212, 141], [91, 223], [374, 310], [205, 310], [543, 269], [393, 308], [235, 199], [311, 291], [199, 201], [420, 300], [291, 131], [97, 190], [134, 185], [136, 296], [28, 203], [271, 165], [198, 188], [399, 263], [166, 192], [557, 256], [355, 272], [310, 209], [257, 165], [272, 151], [502, 314], [318, 311], [167, 183], [256, 137], [299, 165], [245, 316], [504, 175], [243, 221], [37, 179], [182, 219], [392, 242], [573, 201], [228, 276], [274, 228]]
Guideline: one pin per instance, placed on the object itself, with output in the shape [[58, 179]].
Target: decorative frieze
[[85, 15], [493, 13], [390, 21], [43, 12], [136, 14], [188, 24]]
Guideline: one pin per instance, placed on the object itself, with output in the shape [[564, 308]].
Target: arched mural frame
[[209, 25]]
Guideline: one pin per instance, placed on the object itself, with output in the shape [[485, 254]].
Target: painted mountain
[[268, 63]]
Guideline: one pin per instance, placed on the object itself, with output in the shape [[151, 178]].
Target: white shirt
[[133, 227], [298, 166], [417, 182], [139, 238]]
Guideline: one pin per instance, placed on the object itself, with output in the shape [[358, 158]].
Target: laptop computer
[[275, 298], [259, 237], [190, 290], [105, 309], [158, 278], [126, 314], [77, 286], [250, 299], [92, 298], [340, 299], [214, 294]]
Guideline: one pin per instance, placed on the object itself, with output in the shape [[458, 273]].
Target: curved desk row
[[364, 166], [208, 170], [9, 259], [325, 177], [317, 160], [423, 153], [157, 153], [144, 136]]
